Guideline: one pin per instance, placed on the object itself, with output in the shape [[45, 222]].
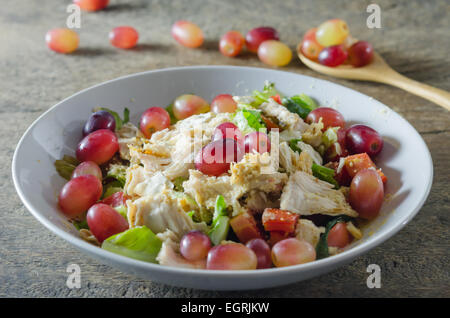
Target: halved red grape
[[361, 138], [339, 236], [223, 103], [360, 53], [104, 221], [99, 146], [231, 256], [274, 53], [257, 141], [262, 252], [332, 56], [187, 105], [292, 251], [231, 43], [330, 117], [99, 120], [215, 158], [124, 37], [228, 131], [91, 5], [187, 33], [154, 119], [88, 167], [79, 194], [258, 35], [366, 193], [195, 245], [62, 40]]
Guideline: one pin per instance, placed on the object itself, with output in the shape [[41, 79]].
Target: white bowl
[[405, 160]]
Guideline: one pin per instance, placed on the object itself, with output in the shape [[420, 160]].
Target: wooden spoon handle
[[437, 96]]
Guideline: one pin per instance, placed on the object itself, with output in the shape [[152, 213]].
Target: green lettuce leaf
[[300, 104], [139, 243], [264, 95], [118, 172], [66, 166], [248, 120], [220, 223]]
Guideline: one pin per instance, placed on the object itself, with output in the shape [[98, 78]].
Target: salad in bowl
[[241, 183]]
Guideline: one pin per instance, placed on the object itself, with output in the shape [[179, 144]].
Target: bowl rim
[[340, 258]]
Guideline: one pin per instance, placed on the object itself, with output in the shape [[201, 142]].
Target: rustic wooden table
[[414, 39]]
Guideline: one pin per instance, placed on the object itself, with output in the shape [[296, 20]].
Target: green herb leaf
[[293, 144], [178, 184], [173, 119], [139, 243], [66, 166], [79, 225], [324, 174], [322, 245], [126, 116]]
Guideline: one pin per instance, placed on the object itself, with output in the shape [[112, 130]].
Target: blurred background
[[414, 39]]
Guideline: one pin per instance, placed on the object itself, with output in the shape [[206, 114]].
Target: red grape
[[223, 103], [79, 194], [62, 40], [187, 105], [332, 56], [91, 5], [231, 256], [366, 193], [116, 199], [361, 138], [215, 158], [99, 120], [88, 167], [310, 47], [99, 146], [228, 131], [258, 35], [187, 34], [360, 53], [154, 119], [262, 251], [274, 53], [124, 37], [104, 221], [257, 141], [292, 251], [339, 236], [330, 117], [231, 43], [332, 32], [195, 245]]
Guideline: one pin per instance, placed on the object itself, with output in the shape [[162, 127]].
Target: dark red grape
[[332, 56], [99, 120], [262, 251], [258, 35], [360, 53], [361, 138]]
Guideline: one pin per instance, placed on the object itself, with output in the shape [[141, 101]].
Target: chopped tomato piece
[[279, 220], [277, 98], [361, 161], [269, 123], [245, 227], [115, 199]]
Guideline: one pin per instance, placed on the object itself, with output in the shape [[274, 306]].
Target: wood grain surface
[[414, 40]]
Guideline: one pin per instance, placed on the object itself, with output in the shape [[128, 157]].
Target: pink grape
[[187, 34], [124, 37], [330, 117], [262, 251], [231, 43], [257, 141], [223, 103], [367, 193], [99, 146], [231, 256], [195, 245], [292, 251], [274, 53], [228, 131], [187, 105], [62, 40], [256, 36], [104, 221], [215, 158], [154, 119], [79, 194], [332, 56], [86, 168]]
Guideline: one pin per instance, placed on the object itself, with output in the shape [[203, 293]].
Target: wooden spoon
[[379, 71]]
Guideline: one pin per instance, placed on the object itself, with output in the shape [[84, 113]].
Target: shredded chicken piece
[[306, 195], [308, 231], [354, 231], [160, 212], [286, 119], [141, 182], [258, 201], [86, 235], [169, 253], [292, 161], [313, 134], [128, 135]]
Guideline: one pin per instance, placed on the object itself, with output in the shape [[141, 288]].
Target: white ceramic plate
[[405, 160]]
